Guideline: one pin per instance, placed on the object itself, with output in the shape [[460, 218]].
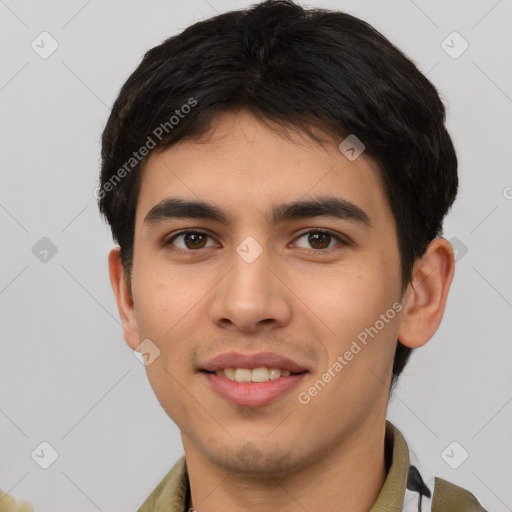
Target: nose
[[252, 296]]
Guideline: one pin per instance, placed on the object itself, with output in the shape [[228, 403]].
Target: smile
[[242, 387], [256, 375]]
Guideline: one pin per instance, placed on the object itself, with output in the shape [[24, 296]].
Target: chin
[[252, 462]]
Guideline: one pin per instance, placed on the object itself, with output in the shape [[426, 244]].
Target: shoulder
[[172, 491], [443, 496], [449, 497], [9, 504]]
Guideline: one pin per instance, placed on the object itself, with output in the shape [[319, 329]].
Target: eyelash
[[341, 241]]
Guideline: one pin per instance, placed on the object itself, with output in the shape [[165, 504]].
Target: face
[[269, 285]]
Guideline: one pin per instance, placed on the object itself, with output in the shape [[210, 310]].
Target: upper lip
[[251, 361]]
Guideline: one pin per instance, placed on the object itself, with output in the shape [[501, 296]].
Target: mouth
[[252, 380], [245, 387], [261, 374]]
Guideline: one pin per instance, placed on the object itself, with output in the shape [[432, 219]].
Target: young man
[[276, 179]]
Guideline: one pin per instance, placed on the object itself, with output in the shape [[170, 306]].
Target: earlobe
[[426, 296], [123, 298]]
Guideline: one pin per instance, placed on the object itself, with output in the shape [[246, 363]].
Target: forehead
[[247, 169]]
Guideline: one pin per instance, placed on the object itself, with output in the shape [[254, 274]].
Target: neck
[[348, 477]]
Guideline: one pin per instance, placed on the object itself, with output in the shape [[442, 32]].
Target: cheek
[[170, 308], [163, 299], [347, 304], [349, 295]]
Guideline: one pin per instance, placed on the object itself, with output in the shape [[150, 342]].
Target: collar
[[391, 495]]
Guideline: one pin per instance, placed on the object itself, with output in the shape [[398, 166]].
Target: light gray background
[[66, 375]]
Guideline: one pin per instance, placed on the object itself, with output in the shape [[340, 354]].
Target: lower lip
[[252, 394]]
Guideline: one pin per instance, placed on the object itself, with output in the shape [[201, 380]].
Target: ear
[[123, 297], [426, 295]]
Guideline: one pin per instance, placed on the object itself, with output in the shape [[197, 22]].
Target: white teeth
[[229, 373], [243, 375], [257, 375], [275, 373]]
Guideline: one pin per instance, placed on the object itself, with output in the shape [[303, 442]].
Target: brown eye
[[320, 240], [194, 240], [190, 240]]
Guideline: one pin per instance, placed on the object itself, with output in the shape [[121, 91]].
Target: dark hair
[[301, 68]]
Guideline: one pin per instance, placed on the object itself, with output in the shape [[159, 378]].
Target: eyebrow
[[325, 206]]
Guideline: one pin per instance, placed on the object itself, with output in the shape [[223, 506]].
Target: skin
[[309, 307]]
